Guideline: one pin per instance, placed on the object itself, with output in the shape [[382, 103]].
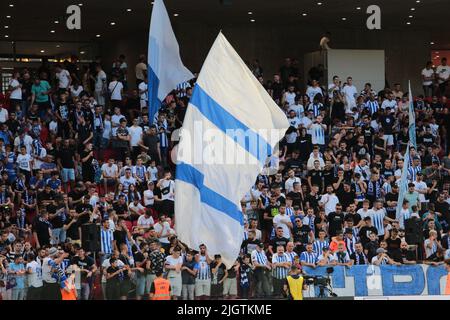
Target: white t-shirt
[[135, 134], [311, 92], [443, 72], [64, 78], [299, 110], [27, 141], [136, 208], [3, 115], [127, 181], [149, 198], [317, 134], [427, 73], [350, 94], [23, 160], [421, 186], [331, 202], [289, 184], [389, 103], [101, 77], [16, 93], [145, 222], [35, 277], [110, 171], [115, 87], [142, 87], [76, 92], [290, 97], [168, 184], [166, 227], [278, 222], [153, 173], [171, 261], [115, 119]]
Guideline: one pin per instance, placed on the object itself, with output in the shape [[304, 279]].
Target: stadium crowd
[[87, 186]]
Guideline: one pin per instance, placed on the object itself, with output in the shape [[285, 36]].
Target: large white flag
[[231, 126], [165, 70]]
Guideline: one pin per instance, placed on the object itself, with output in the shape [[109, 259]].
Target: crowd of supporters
[[87, 185]]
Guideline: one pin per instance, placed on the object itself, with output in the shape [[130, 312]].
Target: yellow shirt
[[295, 287]]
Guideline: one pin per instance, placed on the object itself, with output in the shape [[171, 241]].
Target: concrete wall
[[406, 51]]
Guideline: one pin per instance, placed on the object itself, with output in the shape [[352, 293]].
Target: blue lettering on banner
[[393, 288], [422, 277], [434, 276], [359, 274]]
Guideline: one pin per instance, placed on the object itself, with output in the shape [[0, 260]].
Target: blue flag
[[403, 187], [165, 68], [412, 120]]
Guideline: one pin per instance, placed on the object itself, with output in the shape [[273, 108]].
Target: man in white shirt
[[350, 92], [421, 187], [23, 139], [145, 221], [289, 96], [115, 120], [283, 221], [4, 116], [143, 93], [116, 90], [427, 79], [443, 75], [289, 184], [162, 229], [313, 90], [100, 85], [329, 200], [16, 90], [141, 69], [135, 131], [127, 179], [64, 78], [149, 197], [389, 102]]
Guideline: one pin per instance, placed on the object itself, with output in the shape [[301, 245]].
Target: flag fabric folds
[[165, 68], [231, 126], [412, 120], [403, 186]]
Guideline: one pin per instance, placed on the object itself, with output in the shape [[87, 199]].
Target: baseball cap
[[52, 251], [381, 250]]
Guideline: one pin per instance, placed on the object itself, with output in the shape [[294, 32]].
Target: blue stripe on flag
[[224, 120], [191, 175], [153, 100]]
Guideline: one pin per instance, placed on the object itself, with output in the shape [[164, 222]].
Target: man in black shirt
[[301, 234], [295, 195], [87, 268], [42, 230], [366, 230], [336, 221], [249, 244], [346, 195], [315, 176], [391, 200], [358, 257], [312, 198], [150, 143], [66, 161], [278, 240]]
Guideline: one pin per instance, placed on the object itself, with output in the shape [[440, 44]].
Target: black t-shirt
[[249, 245], [368, 133], [328, 176], [87, 165], [313, 200], [44, 196], [316, 177], [72, 232], [85, 264], [387, 122], [116, 278], [296, 198], [385, 172], [83, 132], [275, 242], [120, 237], [300, 234], [364, 234], [122, 132], [346, 198], [336, 222], [220, 273], [41, 228], [151, 142], [81, 208], [361, 150], [66, 157], [186, 277], [379, 142], [390, 211], [356, 217]]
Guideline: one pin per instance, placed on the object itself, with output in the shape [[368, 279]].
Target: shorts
[[202, 287], [140, 284], [176, 285], [230, 287], [389, 139], [67, 174]]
